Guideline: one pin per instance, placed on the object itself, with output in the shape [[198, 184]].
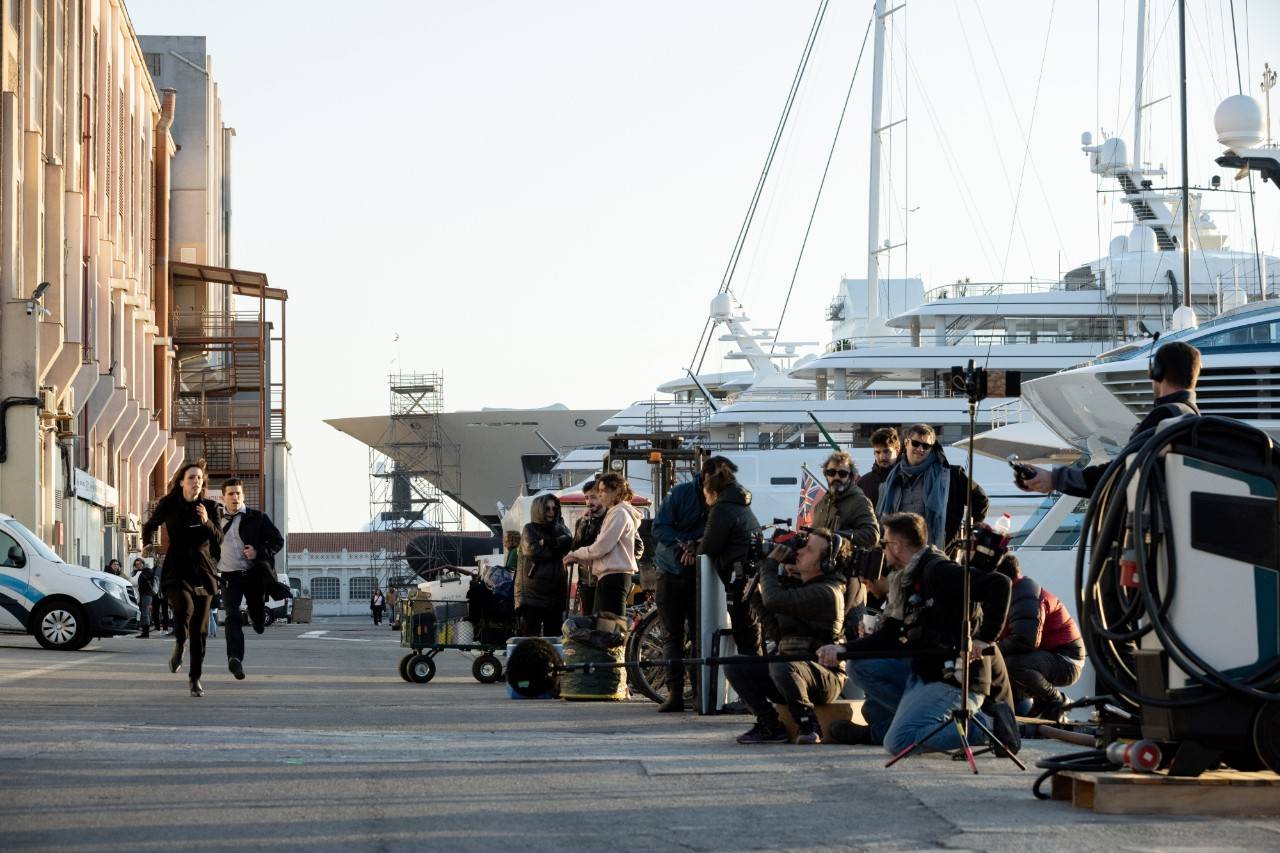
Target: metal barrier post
[[713, 611]]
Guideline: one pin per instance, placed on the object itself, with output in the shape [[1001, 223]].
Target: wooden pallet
[[1218, 792]]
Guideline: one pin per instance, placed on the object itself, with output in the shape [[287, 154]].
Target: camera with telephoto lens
[[782, 536], [868, 564], [989, 545]]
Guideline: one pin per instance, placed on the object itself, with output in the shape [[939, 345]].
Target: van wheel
[[60, 625]]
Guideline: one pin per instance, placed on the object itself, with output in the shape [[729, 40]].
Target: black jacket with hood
[[541, 579], [730, 527]]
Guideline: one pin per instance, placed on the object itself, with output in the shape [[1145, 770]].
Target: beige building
[[84, 344]]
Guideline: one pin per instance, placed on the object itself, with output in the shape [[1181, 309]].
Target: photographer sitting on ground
[[1040, 643], [809, 609], [906, 699]]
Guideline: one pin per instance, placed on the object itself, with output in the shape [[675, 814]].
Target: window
[[360, 588], [325, 589], [7, 542], [153, 63], [1241, 336]]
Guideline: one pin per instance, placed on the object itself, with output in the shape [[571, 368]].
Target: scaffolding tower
[[405, 470]]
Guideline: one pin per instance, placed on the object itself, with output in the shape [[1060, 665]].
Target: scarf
[[937, 484]]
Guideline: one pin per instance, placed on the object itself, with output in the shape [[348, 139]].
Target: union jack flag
[[811, 491]]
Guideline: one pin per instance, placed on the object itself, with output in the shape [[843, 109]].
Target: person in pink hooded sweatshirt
[[612, 555]]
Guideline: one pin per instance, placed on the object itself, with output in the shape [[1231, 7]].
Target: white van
[[61, 605]]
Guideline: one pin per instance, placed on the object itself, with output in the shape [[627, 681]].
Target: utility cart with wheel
[[428, 630]]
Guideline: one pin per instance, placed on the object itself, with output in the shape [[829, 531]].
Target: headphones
[[1155, 366], [834, 548]]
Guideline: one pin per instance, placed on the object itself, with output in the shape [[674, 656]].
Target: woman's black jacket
[[730, 527], [191, 563]]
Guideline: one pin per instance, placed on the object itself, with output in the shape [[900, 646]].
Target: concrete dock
[[323, 747]]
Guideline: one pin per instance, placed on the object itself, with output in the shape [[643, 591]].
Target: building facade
[[85, 355]]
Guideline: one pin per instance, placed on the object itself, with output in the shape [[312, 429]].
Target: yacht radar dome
[[722, 307], [1238, 121]]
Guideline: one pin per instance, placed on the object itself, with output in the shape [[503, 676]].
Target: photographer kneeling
[[906, 699], [809, 609]]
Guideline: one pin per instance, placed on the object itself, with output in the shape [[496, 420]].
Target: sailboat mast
[[873, 185], [1186, 188], [1138, 81]]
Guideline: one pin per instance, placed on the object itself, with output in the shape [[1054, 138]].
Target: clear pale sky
[[539, 198]]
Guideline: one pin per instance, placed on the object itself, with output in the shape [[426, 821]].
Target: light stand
[[973, 381]]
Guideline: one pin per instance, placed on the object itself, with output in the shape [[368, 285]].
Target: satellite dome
[[1113, 153], [1238, 121]]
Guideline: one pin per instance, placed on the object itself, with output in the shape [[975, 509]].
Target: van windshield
[[34, 541]]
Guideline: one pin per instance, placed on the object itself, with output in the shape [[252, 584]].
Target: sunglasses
[[837, 473], [920, 445]]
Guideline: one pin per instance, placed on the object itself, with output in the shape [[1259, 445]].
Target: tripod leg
[[917, 744], [997, 747], [964, 745]]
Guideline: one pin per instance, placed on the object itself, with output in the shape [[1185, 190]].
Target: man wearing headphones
[[1174, 370], [809, 608]]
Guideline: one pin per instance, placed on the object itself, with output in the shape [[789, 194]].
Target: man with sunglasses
[[924, 483], [844, 508]]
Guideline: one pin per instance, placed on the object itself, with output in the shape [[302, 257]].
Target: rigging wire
[[1026, 151], [822, 183], [704, 341], [1253, 208], [991, 126]]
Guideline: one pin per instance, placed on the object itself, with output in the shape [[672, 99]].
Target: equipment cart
[[427, 629]]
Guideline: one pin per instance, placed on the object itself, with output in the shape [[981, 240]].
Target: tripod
[[973, 381]]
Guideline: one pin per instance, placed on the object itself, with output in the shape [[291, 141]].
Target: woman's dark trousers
[[191, 625], [611, 594], [677, 607]]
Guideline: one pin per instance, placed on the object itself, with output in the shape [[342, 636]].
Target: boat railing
[[976, 337], [967, 289]]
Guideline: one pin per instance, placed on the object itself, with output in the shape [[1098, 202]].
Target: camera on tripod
[[971, 380]]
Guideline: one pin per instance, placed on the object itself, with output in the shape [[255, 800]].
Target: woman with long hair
[[190, 578], [613, 553]]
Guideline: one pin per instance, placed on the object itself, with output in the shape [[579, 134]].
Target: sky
[[539, 199]]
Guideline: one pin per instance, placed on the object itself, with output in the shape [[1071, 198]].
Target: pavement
[[324, 747]]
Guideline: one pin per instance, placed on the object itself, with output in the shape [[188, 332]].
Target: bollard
[[713, 618]]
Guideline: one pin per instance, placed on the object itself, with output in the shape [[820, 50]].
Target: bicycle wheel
[[648, 643]]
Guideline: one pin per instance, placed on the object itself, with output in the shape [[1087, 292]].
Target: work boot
[[808, 731], [847, 732], [1053, 710], [196, 689], [236, 668], [764, 732], [175, 659]]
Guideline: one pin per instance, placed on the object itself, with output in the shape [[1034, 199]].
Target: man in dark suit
[[247, 568]]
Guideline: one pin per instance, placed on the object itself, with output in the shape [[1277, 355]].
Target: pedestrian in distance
[[190, 577], [113, 568], [393, 610], [613, 553], [541, 583], [246, 569], [377, 604], [585, 532], [148, 589]]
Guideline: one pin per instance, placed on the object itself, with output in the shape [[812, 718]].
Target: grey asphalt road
[[323, 747]]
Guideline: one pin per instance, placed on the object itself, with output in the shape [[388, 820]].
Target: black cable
[[1091, 759], [704, 341]]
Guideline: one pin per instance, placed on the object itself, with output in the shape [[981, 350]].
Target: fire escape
[[228, 331]]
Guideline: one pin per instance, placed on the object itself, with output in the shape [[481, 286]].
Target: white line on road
[[311, 635], [28, 673]]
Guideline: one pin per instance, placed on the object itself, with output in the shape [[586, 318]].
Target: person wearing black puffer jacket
[[190, 578], [727, 542], [1040, 643], [542, 583]]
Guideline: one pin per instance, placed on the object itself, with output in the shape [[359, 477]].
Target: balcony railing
[[216, 324], [193, 413]]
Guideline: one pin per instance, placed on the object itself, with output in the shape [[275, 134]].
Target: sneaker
[[1004, 725], [236, 668], [259, 625], [196, 689], [1053, 710], [846, 732], [808, 731], [764, 733]]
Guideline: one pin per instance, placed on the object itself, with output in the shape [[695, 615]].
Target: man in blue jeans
[[908, 698], [248, 536]]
